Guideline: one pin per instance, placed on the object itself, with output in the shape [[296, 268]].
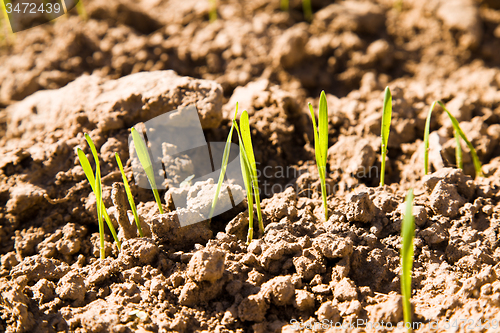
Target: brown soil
[[128, 63]]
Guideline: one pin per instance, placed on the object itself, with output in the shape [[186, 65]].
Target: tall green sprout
[[384, 132], [407, 235], [248, 170], [95, 184], [321, 144], [143, 154], [223, 168], [458, 133], [130, 197]]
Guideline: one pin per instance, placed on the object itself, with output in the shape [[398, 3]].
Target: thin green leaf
[[323, 128], [87, 169], [407, 235], [385, 129], [458, 151], [103, 209], [426, 138], [284, 5], [307, 9], [247, 179], [99, 205], [130, 197], [456, 127], [225, 160], [321, 145], [248, 147], [143, 154]]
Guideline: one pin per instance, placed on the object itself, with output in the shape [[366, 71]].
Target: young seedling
[[143, 154], [321, 144], [384, 131], [225, 160], [95, 184], [212, 15], [407, 235], [458, 133], [249, 168], [130, 197], [82, 12], [306, 8]]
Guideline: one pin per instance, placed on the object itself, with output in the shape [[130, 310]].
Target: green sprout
[[384, 132], [306, 8], [80, 8], [225, 160], [248, 170], [212, 14], [143, 154], [130, 197], [407, 235], [458, 133], [321, 144], [95, 184]]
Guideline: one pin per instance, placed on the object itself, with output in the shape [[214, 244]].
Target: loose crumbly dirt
[[134, 60]]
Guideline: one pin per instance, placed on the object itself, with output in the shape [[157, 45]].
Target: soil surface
[[134, 60]]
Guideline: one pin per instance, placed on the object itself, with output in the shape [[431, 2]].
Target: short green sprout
[[143, 154], [458, 133], [95, 184], [306, 8], [384, 131], [407, 235], [130, 197], [212, 14], [321, 144]]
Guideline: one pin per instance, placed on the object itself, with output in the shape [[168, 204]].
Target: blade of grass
[[407, 235], [307, 9], [103, 209], [247, 179], [225, 160], [458, 151], [248, 147], [426, 138], [143, 154], [385, 129], [284, 5], [99, 204], [96, 188], [130, 197], [213, 10], [321, 145], [456, 127]]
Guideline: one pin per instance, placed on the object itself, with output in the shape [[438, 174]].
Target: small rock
[[279, 290], [207, 265]]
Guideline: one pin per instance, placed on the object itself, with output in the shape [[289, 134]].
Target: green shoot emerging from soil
[[407, 234], [321, 144], [306, 8], [249, 172], [143, 154], [212, 14], [384, 131], [225, 160], [458, 133], [95, 184], [130, 197]]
